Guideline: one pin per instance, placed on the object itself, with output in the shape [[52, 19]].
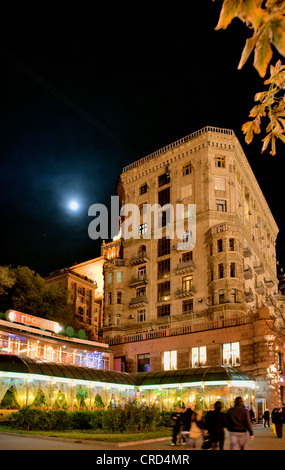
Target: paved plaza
[[263, 440]]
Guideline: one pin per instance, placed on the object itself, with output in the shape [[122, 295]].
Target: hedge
[[131, 418]]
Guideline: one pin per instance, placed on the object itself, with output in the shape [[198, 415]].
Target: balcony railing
[[259, 268], [138, 281], [259, 288], [180, 292], [139, 258], [247, 272], [139, 301], [185, 267]]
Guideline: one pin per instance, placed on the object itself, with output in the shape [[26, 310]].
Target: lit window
[[231, 354], [170, 360], [119, 276], [187, 283], [220, 161], [199, 356], [220, 184], [142, 229]]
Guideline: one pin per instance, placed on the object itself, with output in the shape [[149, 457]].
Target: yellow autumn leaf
[[228, 13], [263, 52]]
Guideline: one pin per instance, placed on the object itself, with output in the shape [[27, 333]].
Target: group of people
[[277, 418], [190, 424]]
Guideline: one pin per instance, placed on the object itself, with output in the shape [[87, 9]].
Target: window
[[187, 256], [163, 292], [220, 184], [117, 320], [231, 354], [233, 270], [141, 291], [119, 297], [170, 360], [163, 179], [231, 244], [140, 315], [164, 197], [233, 296], [143, 189], [163, 268], [142, 272], [221, 271], [221, 296], [187, 283], [163, 246], [142, 229], [220, 161], [143, 362], [110, 278], [186, 191], [187, 169], [187, 306], [221, 206], [220, 245], [119, 276], [110, 298], [199, 356], [163, 311], [187, 236]]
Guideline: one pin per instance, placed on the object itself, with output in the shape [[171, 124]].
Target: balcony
[[185, 267], [247, 272], [247, 251], [180, 293], [137, 302], [139, 258], [248, 295], [258, 268], [259, 288], [138, 281], [269, 282]]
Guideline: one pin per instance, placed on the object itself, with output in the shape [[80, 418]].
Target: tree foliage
[[24, 290], [266, 20]]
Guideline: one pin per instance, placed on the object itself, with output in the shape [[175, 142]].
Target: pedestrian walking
[[192, 422], [239, 425], [215, 424], [177, 417], [266, 418], [278, 420]]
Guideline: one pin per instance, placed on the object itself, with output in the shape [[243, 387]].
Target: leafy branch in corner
[[268, 25]]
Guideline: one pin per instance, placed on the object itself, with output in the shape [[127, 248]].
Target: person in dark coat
[[266, 417], [239, 425], [177, 417], [215, 424], [278, 420]]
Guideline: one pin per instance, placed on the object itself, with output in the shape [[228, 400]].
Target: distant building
[[85, 307]]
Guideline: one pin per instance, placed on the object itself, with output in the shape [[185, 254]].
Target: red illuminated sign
[[27, 319]]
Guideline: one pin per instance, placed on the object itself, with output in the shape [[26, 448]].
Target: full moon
[[73, 205]]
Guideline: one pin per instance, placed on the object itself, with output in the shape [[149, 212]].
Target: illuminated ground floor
[[31, 382]]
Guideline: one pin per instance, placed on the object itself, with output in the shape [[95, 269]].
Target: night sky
[[88, 91]]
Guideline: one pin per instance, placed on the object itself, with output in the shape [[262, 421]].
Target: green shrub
[[81, 419]]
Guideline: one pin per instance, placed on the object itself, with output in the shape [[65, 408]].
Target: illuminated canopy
[[199, 374], [27, 365]]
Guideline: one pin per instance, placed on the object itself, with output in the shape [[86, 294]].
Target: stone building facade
[[172, 303]]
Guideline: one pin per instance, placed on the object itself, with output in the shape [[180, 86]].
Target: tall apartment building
[[168, 305]]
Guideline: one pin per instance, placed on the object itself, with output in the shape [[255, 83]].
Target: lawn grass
[[80, 434]]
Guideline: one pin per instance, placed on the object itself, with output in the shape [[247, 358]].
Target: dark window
[[220, 245], [163, 179], [119, 297], [163, 311], [187, 256], [187, 306], [143, 189], [221, 271], [187, 169], [233, 270], [221, 206], [164, 197], [163, 246], [143, 362], [231, 244]]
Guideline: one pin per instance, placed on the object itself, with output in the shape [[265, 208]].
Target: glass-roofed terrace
[[32, 382]]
